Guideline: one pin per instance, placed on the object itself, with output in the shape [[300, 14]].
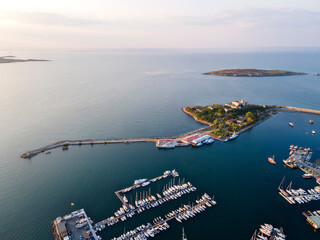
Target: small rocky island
[[236, 116], [13, 59], [252, 73]]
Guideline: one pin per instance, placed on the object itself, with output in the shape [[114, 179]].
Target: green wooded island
[[13, 59], [236, 116], [252, 73]]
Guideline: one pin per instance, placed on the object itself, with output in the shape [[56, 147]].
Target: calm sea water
[[95, 95]]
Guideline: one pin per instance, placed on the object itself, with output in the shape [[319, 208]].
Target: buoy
[[72, 204]]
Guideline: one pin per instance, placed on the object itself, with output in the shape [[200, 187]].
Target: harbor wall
[[66, 143]]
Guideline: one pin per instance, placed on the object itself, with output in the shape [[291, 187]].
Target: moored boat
[[291, 124], [313, 132], [145, 184], [307, 175], [166, 146], [271, 160], [233, 136], [139, 181], [311, 121]]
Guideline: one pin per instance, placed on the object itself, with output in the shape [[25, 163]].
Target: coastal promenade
[[205, 130]]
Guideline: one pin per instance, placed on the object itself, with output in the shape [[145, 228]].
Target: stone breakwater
[[66, 143]]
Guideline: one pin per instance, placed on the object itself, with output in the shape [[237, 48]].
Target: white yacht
[[233, 136], [139, 181]]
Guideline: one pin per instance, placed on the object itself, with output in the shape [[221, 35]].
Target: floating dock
[[75, 225], [160, 224], [313, 218], [300, 158]]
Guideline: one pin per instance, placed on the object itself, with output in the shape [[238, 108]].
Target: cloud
[[50, 19], [251, 17]]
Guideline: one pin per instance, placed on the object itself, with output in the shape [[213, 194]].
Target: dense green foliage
[[225, 119]]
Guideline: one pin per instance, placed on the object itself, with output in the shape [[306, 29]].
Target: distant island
[[236, 116], [13, 59], [252, 73]]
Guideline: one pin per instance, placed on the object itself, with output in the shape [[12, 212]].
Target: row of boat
[[143, 181], [171, 193], [187, 211], [300, 195], [143, 232], [268, 232], [128, 210]]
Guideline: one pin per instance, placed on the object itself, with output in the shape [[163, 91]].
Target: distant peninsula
[[252, 73], [13, 59]]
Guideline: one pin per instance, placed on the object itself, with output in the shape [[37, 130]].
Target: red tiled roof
[[190, 138]]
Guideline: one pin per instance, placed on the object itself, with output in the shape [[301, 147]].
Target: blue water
[[121, 94]]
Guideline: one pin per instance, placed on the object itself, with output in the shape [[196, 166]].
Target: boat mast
[[184, 237], [254, 236], [281, 183], [289, 186]]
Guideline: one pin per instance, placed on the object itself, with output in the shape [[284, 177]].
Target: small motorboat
[[307, 175], [271, 160], [291, 124]]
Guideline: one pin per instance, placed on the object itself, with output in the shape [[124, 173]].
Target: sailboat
[[184, 237], [271, 160]]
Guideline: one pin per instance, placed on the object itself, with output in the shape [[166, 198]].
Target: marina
[[160, 224], [300, 157], [83, 99], [300, 195], [268, 232], [78, 224]]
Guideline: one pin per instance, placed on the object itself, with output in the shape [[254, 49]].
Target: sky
[[108, 24]]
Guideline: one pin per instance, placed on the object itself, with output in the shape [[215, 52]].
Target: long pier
[[65, 143]]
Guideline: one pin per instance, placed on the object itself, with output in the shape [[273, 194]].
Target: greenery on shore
[[252, 73], [225, 119]]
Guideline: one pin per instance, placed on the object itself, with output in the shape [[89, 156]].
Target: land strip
[[204, 130]]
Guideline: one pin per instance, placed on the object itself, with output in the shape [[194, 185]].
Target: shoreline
[[204, 130], [195, 118]]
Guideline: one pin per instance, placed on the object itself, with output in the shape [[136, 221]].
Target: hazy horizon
[[148, 24]]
